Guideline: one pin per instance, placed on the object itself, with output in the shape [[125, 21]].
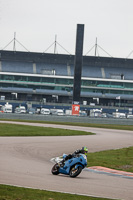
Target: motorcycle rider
[[83, 150]]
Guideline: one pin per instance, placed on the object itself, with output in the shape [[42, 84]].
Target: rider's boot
[[62, 163]]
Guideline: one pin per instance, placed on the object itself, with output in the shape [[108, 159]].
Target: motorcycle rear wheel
[[75, 172], [55, 169]]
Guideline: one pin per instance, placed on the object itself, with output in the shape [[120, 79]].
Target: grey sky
[[36, 22]]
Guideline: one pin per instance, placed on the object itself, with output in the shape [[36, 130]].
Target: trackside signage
[[75, 109]]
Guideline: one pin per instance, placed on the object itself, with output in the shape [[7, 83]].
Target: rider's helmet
[[84, 150]]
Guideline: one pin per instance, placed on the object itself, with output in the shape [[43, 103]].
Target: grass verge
[[23, 130], [120, 159], [108, 126], [18, 193]]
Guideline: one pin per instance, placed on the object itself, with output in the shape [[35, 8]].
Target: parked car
[[45, 111], [129, 116], [57, 112], [32, 111], [20, 109], [7, 108]]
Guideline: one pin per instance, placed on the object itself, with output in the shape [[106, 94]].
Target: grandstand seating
[[15, 89], [126, 72], [63, 70], [63, 65], [20, 67], [91, 71], [60, 69], [52, 92], [91, 94]]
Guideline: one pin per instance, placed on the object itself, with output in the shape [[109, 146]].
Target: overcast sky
[[36, 22]]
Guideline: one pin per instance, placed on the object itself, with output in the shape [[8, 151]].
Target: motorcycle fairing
[[75, 161]]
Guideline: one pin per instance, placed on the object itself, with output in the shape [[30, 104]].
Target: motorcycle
[[71, 167]]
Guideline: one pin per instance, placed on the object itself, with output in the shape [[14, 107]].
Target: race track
[[25, 161]]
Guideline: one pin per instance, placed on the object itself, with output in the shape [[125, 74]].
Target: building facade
[[30, 76]]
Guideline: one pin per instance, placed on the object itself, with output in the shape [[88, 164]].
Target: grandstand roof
[[64, 58]]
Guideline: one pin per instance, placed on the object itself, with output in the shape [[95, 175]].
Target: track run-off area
[[25, 161]]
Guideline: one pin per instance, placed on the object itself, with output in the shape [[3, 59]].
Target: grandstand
[[37, 76]]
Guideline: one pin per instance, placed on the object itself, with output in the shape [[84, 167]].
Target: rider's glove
[[76, 152]]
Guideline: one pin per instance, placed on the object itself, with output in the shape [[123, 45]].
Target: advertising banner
[[75, 109]]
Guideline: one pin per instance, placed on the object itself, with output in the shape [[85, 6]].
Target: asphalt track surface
[[25, 161]]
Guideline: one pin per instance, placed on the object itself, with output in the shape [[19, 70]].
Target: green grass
[[108, 126], [120, 159], [23, 130], [18, 193]]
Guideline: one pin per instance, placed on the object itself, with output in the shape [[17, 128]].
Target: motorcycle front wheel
[[75, 172], [55, 169]]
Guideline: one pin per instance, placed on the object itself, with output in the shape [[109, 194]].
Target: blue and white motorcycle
[[71, 167]]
